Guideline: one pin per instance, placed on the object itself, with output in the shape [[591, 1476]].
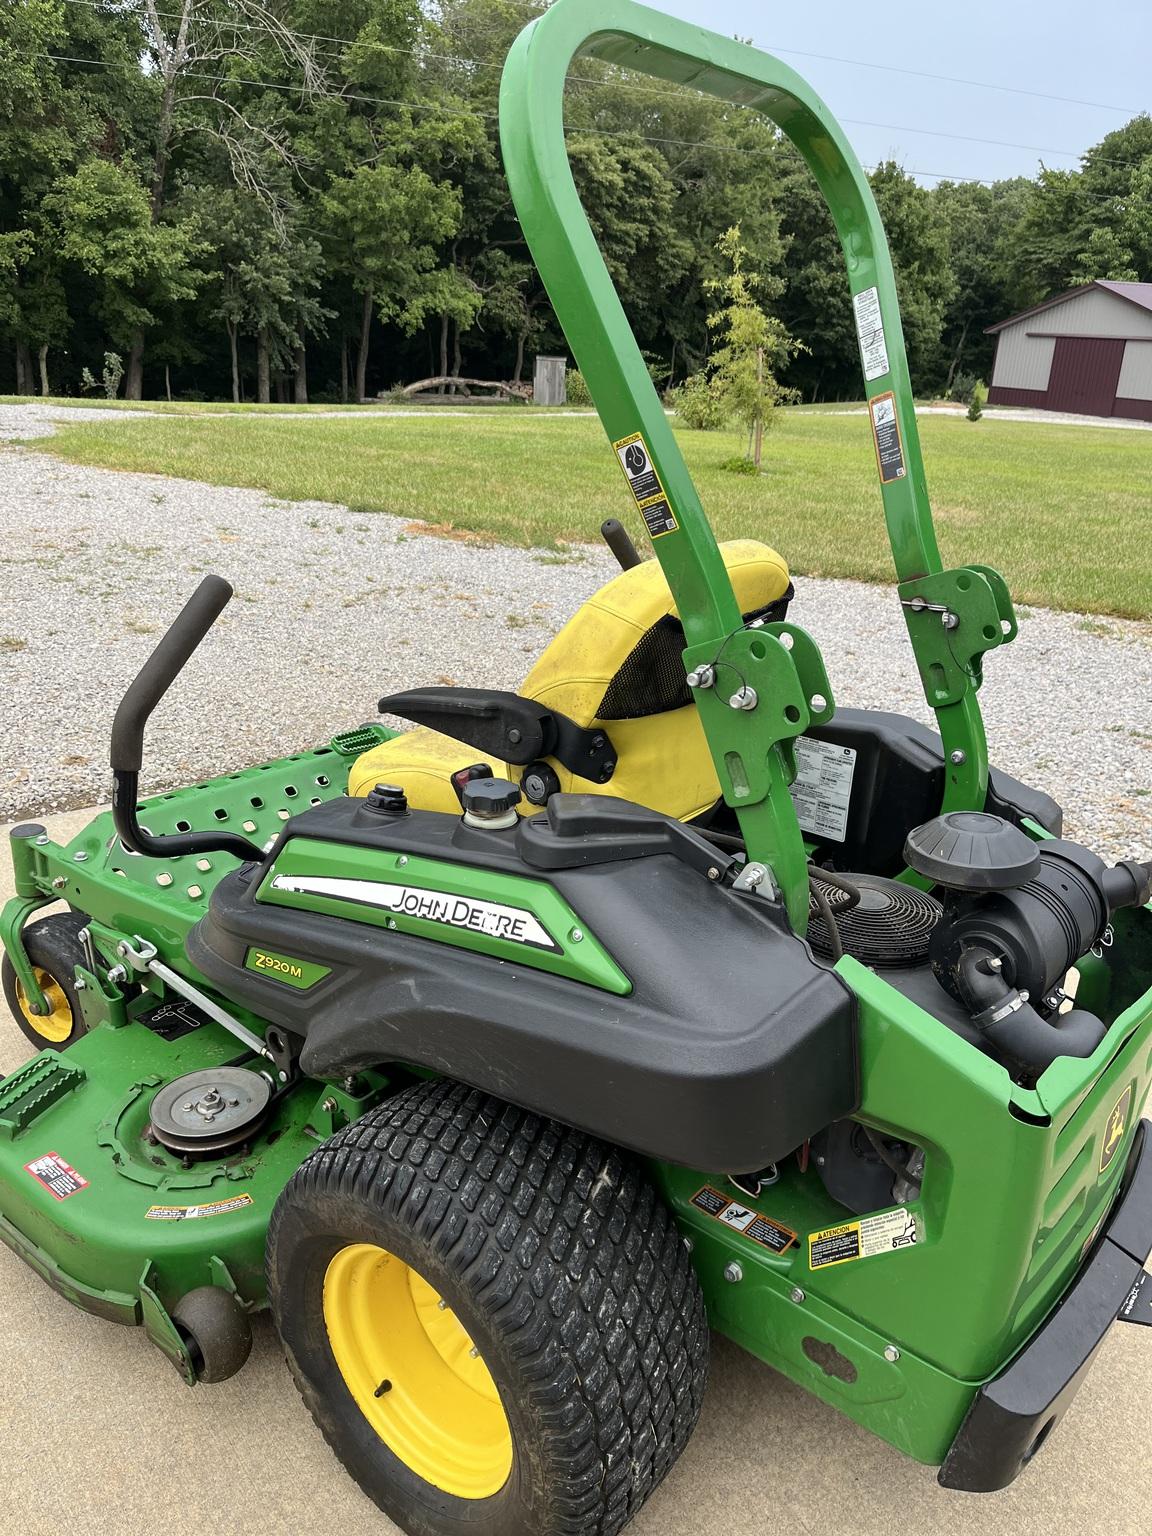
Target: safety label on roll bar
[[886, 436], [645, 484], [870, 330]]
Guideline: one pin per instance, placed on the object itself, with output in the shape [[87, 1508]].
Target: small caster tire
[[216, 1330], [54, 948]]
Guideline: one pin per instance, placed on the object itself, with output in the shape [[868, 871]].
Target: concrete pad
[[98, 1435]]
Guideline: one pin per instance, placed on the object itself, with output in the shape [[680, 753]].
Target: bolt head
[[891, 1354], [401, 861], [796, 1295], [958, 758], [733, 1273], [59, 882], [713, 872], [79, 858], [689, 1244], [576, 935]]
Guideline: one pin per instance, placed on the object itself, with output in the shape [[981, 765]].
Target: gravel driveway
[[334, 608]]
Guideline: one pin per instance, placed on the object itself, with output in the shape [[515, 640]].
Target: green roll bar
[[759, 689]]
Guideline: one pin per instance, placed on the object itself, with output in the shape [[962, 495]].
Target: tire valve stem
[[385, 1386]]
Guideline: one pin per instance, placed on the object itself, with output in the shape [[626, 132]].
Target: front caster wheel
[[492, 1318], [55, 951]]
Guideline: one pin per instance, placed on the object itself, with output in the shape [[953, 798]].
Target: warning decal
[[870, 330], [59, 1178], [822, 789], [761, 1229], [886, 436], [863, 1239], [192, 1212], [645, 485]]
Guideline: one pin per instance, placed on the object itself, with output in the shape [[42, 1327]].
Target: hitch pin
[[949, 619]]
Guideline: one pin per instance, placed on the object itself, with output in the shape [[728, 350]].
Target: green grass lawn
[[1065, 512]]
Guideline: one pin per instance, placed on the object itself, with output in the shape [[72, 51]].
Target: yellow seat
[[616, 664]]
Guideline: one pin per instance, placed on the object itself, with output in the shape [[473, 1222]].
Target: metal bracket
[[143, 958], [953, 618]]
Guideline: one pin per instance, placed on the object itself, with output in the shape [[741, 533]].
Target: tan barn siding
[[1094, 313], [1136, 372], [1022, 361]]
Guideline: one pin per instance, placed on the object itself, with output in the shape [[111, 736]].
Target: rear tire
[[54, 948], [555, 1275]]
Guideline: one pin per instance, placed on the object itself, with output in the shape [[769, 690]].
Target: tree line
[[267, 199]]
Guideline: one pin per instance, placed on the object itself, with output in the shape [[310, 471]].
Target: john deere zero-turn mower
[[505, 1057]]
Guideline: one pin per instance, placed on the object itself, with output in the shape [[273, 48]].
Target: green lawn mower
[[505, 1057]]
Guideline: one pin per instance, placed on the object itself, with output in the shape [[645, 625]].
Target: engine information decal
[[886, 436], [515, 924], [863, 1239], [870, 332], [761, 1229], [822, 790], [193, 1212], [59, 1178], [645, 485]]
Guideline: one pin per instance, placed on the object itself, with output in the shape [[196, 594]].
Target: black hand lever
[[618, 541], [152, 682]]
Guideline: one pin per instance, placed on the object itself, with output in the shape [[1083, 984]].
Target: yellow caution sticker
[[193, 1212], [862, 1239], [645, 484]]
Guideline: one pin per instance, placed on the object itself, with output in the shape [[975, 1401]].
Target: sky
[[1058, 48]]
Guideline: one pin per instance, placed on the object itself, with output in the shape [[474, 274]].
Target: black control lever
[[617, 539], [152, 682]]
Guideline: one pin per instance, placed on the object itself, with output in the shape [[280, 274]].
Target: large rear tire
[[491, 1317]]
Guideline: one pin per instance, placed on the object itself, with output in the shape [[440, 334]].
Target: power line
[[422, 106], [655, 91]]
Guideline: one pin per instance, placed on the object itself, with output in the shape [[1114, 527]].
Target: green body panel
[[161, 899], [578, 954], [1013, 1193], [585, 300]]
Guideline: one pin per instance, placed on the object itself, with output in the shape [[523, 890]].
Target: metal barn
[[1088, 351]]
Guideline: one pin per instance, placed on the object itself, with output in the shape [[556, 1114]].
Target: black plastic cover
[[733, 1047], [899, 783], [972, 851]]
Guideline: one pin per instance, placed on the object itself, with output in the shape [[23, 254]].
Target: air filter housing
[[889, 928]]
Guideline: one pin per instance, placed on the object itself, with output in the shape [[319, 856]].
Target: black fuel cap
[[972, 851], [489, 797], [388, 799]]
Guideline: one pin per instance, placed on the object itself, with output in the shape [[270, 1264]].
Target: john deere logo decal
[[515, 924], [1115, 1129]]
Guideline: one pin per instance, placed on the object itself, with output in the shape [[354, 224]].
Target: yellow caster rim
[[54, 1027], [415, 1374]]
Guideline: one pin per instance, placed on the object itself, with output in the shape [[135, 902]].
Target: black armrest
[[507, 727], [578, 830]]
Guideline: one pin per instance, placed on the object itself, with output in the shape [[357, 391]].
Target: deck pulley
[[209, 1112]]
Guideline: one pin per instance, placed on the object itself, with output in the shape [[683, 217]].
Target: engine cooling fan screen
[[890, 927]]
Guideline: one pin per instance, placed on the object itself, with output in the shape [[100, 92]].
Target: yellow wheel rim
[[415, 1374], [54, 1027]]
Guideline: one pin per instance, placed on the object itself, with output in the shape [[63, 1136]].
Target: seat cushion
[[605, 657]]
